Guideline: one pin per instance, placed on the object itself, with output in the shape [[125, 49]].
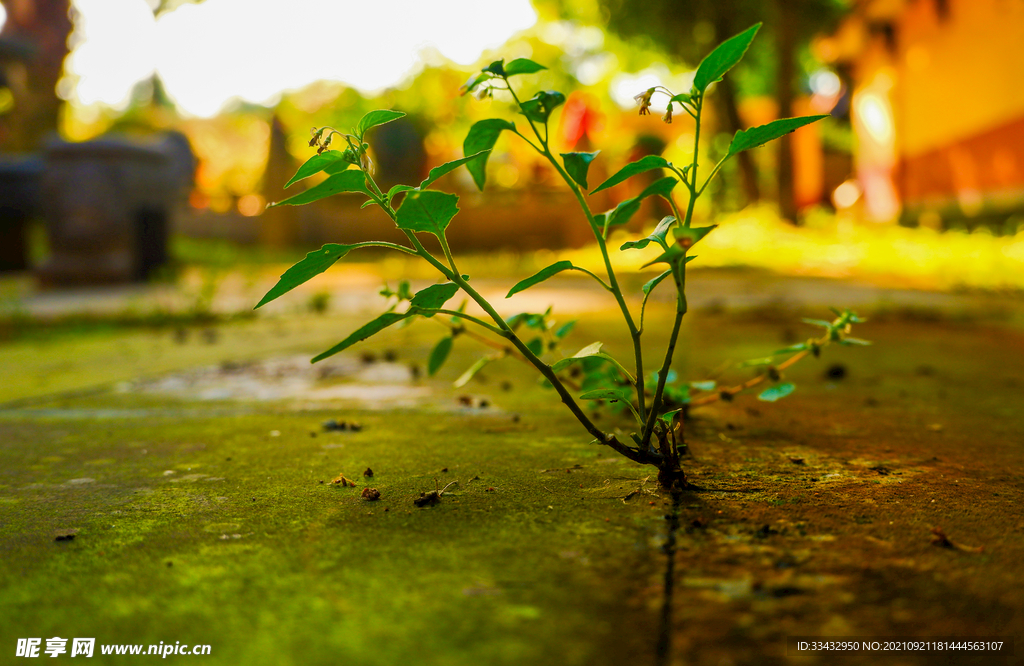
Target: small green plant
[[591, 374]]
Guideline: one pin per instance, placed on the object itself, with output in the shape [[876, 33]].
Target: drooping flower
[[644, 100], [668, 114], [317, 133], [325, 145]]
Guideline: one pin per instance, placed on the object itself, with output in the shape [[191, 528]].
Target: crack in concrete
[[663, 649]]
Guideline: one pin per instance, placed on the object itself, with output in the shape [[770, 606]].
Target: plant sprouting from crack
[[656, 405]]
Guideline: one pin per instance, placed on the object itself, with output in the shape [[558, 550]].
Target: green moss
[[244, 548]]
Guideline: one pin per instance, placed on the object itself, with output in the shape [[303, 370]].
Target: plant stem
[[613, 283], [478, 322], [504, 330], [679, 275]]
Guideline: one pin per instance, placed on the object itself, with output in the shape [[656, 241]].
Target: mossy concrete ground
[[215, 522]]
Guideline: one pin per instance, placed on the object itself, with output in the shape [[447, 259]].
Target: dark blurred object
[[35, 43], [279, 227], [108, 206], [19, 202], [689, 29], [401, 157]]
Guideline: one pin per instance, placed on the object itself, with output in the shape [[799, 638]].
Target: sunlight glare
[[211, 53], [113, 50]]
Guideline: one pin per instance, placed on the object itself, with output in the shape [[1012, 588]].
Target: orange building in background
[[938, 107]]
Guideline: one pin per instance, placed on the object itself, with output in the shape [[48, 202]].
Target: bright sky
[[210, 53]]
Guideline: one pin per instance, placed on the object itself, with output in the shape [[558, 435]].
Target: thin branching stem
[[505, 330], [613, 284], [679, 275]]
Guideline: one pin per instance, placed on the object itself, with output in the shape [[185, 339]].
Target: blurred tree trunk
[[279, 227], [786, 49], [44, 27], [728, 111]]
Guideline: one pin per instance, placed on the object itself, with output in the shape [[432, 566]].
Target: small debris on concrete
[[343, 481], [332, 425], [427, 499], [434, 496], [836, 372]]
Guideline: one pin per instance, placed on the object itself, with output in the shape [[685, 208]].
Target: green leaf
[[758, 136], [372, 328], [539, 107], [540, 276], [428, 211], [703, 386], [314, 264], [654, 282], [564, 329], [434, 296], [482, 137], [792, 348], [497, 68], [647, 289], [398, 189], [622, 213], [682, 98], [669, 256], [605, 394], [352, 180], [313, 165], [667, 417], [817, 322], [471, 372], [642, 165], [448, 167], [475, 80], [773, 393], [577, 165], [439, 355], [522, 66], [658, 236], [536, 346], [687, 237], [590, 350], [661, 187], [855, 342], [375, 118], [757, 361], [723, 58]]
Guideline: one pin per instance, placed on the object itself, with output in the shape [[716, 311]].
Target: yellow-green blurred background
[[917, 178]]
